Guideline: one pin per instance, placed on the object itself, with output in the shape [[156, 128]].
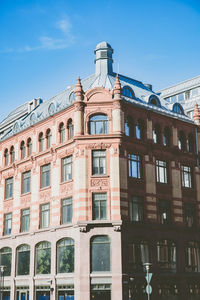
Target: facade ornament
[[196, 115], [117, 89], [79, 94]]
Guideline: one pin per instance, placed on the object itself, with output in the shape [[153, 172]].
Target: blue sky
[[46, 44]]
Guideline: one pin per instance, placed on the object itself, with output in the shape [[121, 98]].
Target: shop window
[[23, 260], [6, 260], [67, 210], [164, 212], [67, 168], [161, 171], [44, 215], [186, 176], [62, 132], [137, 209], [192, 252], [65, 256], [25, 219], [26, 182], [98, 124], [135, 166], [45, 175], [43, 258], [100, 253], [138, 254], [99, 206], [166, 255], [98, 162]]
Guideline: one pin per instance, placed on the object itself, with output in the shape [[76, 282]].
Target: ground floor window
[[6, 293], [168, 291], [65, 292], [100, 291], [42, 293], [22, 293], [193, 291]]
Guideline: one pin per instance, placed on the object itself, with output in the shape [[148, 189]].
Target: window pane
[[44, 215], [67, 168], [9, 188], [6, 259], [135, 166], [65, 256], [98, 162], [100, 254], [23, 260], [136, 209], [43, 258], [45, 176], [99, 206], [7, 224], [25, 219], [26, 182], [66, 210]]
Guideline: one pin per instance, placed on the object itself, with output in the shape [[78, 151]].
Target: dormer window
[[177, 108], [153, 100], [128, 92], [99, 124]]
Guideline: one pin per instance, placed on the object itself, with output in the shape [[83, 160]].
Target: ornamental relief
[[99, 183], [44, 195], [66, 188], [44, 161], [7, 174], [98, 146], [25, 200], [65, 153], [7, 205]]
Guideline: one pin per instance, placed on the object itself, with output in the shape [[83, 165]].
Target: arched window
[[190, 143], [177, 108], [48, 137], [29, 146], [23, 150], [138, 254], [23, 260], [166, 137], [156, 134], [139, 130], [70, 128], [41, 141], [129, 126], [128, 92], [99, 124], [12, 154], [181, 140], [43, 258], [100, 253], [65, 256], [153, 100], [62, 132], [6, 260], [192, 257], [6, 157], [166, 255]]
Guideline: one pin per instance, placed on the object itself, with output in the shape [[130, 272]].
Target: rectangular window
[[137, 209], [25, 219], [189, 214], [26, 182], [161, 171], [186, 176], [135, 166], [67, 168], [9, 188], [7, 224], [99, 206], [164, 211], [67, 210], [45, 176], [44, 215], [98, 162]]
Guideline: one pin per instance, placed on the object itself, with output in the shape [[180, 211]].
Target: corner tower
[[103, 58]]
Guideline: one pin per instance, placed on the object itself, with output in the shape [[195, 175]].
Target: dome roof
[[103, 45]]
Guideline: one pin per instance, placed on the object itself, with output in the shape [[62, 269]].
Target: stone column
[[149, 129], [150, 172], [177, 192], [174, 136]]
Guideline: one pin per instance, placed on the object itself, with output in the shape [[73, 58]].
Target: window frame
[[68, 205], [105, 242], [137, 202], [93, 124], [99, 204], [65, 166], [6, 229], [43, 215], [42, 173], [99, 159], [186, 171], [25, 180], [164, 207], [9, 195], [162, 171], [135, 163], [23, 219]]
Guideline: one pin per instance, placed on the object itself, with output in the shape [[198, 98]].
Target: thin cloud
[[64, 25]]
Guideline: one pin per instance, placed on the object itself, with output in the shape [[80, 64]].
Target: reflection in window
[[192, 257], [161, 171], [99, 124], [67, 168], [43, 258], [129, 127], [189, 214], [139, 130], [135, 166], [6, 259], [98, 162], [166, 255], [186, 176], [164, 211], [65, 256], [166, 137], [138, 254], [136, 209], [23, 260], [67, 210], [62, 132], [128, 92], [100, 253]]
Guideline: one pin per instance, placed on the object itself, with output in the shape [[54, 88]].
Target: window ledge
[[25, 194], [100, 274], [45, 188], [100, 176], [7, 199], [65, 182]]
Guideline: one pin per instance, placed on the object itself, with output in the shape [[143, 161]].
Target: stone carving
[[99, 146], [83, 228], [45, 195], [99, 182], [117, 228], [66, 188], [25, 199]]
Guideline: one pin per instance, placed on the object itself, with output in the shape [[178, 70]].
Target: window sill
[[25, 194], [64, 182], [100, 176], [45, 188], [7, 199]]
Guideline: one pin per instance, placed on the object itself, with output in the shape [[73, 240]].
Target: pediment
[[98, 94]]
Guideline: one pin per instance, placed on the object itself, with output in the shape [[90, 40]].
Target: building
[[187, 93], [94, 183]]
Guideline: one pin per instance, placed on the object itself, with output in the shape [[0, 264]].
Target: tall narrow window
[[161, 171], [166, 137], [67, 168], [29, 146], [6, 156], [23, 150], [129, 127], [139, 130], [192, 252], [99, 206], [98, 162], [137, 209], [138, 254], [23, 260], [135, 166], [181, 141], [190, 143], [67, 210], [65, 256], [189, 214], [45, 175], [12, 154], [62, 132], [26, 182], [186, 176], [43, 258], [6, 260], [44, 215], [164, 212], [70, 127], [99, 124], [49, 138], [7, 224], [166, 254], [100, 254], [25, 219], [156, 134], [41, 142], [9, 188]]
